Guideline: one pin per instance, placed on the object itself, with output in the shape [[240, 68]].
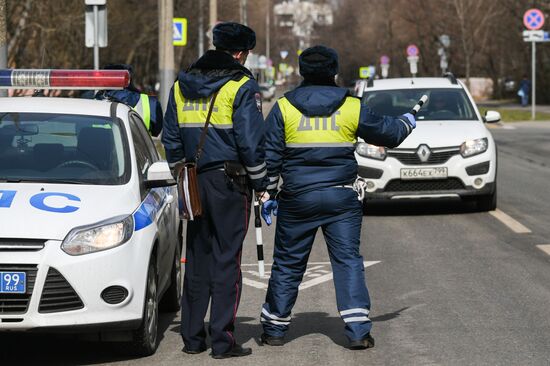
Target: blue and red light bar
[[63, 79]]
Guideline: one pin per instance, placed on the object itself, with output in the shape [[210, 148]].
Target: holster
[[237, 174]]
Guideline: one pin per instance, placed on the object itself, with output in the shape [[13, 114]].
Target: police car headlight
[[101, 236], [371, 151], [473, 147]]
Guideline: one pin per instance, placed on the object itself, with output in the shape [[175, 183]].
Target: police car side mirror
[[491, 117], [159, 175]]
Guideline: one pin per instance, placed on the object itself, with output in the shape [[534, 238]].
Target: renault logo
[[423, 153]]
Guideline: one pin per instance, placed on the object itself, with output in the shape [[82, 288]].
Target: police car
[[450, 153], [89, 235]]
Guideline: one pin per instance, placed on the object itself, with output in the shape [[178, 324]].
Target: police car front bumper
[[65, 292]]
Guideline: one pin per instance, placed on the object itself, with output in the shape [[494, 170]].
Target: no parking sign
[[533, 19], [412, 50], [412, 58]]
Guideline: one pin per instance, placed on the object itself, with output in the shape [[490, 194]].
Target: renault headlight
[[371, 151], [473, 147], [100, 236]]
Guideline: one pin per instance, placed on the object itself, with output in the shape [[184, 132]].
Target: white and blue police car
[[89, 226], [450, 154]]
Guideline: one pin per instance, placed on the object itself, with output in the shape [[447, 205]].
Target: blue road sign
[[533, 19], [372, 71], [179, 35]]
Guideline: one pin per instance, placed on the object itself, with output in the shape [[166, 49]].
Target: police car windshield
[[443, 104], [62, 148]]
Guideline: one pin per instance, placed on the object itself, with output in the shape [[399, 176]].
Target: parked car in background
[[267, 91], [450, 154]]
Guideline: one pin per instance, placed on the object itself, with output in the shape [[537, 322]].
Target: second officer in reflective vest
[[147, 106], [311, 135], [232, 162]]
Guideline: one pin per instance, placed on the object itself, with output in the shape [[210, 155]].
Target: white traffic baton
[[259, 239], [419, 105]]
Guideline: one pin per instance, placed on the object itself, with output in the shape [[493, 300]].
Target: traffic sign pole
[[95, 16], [384, 65], [533, 19], [413, 65], [166, 49], [385, 68], [96, 38], [534, 79]]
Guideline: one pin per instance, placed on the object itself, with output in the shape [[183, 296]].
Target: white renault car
[[450, 153], [89, 227]]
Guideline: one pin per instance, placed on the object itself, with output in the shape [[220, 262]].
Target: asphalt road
[[449, 286]]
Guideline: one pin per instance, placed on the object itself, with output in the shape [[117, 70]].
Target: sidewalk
[[509, 104]]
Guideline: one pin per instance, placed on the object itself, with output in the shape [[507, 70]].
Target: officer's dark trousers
[[213, 273], [338, 213]]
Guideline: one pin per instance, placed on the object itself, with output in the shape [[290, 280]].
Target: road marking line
[[508, 127], [327, 277], [512, 223], [315, 281], [311, 269], [545, 248], [303, 285], [270, 264], [259, 285]]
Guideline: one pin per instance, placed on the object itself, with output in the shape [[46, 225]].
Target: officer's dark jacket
[[237, 132], [131, 98], [311, 135]]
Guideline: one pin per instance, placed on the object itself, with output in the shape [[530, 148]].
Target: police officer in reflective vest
[[232, 162], [311, 133], [147, 106]]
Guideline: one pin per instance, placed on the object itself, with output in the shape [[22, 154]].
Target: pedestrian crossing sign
[[364, 72], [179, 36]]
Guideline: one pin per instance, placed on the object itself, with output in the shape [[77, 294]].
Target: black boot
[[272, 340], [236, 351], [191, 351], [367, 342]]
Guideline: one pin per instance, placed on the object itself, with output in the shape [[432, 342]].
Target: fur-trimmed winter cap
[[231, 36], [318, 61]]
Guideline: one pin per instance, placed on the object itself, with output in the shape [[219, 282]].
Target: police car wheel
[[145, 337], [172, 297]]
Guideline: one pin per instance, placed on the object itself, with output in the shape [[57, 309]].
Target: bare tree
[[486, 36], [473, 17]]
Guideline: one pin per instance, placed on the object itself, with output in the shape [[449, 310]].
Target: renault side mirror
[[491, 117]]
